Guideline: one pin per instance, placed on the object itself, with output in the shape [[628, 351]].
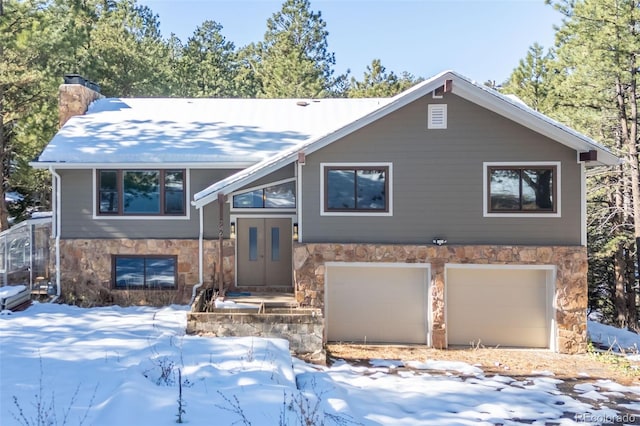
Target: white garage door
[[498, 306], [377, 303]]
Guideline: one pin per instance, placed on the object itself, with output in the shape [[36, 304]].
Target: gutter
[[56, 221], [200, 257]]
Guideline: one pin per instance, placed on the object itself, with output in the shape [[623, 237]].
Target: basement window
[[134, 272]]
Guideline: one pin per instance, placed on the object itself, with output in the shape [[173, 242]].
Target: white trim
[[152, 166], [557, 183], [195, 288], [258, 209], [56, 218], [266, 185], [583, 204], [299, 199], [389, 165], [187, 204], [427, 288], [260, 216], [235, 217], [452, 265], [550, 281], [431, 108], [378, 264]]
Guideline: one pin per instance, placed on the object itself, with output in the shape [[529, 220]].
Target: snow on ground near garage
[[114, 365]]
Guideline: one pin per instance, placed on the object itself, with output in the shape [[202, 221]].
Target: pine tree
[[377, 82], [128, 56], [209, 63], [598, 48], [533, 80], [22, 29], [294, 58]]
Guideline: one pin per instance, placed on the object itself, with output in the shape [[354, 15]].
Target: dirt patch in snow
[[512, 362]]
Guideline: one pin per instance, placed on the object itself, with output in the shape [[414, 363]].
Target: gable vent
[[437, 116]]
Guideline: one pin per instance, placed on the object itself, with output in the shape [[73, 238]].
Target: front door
[[264, 252]]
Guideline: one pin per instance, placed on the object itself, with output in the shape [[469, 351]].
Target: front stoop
[[277, 316]]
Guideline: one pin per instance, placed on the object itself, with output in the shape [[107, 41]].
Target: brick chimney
[[75, 96]]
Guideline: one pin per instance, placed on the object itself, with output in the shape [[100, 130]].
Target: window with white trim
[[356, 188], [141, 192], [276, 196], [522, 188]]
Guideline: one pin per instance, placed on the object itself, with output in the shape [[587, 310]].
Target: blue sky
[[481, 39]]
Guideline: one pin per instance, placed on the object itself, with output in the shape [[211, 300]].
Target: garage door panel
[[501, 306], [376, 304]]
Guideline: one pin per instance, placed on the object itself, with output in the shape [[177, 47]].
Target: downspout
[[56, 221], [300, 163], [298, 173], [220, 245], [200, 257]]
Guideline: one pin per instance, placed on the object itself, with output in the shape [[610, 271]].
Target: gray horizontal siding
[[77, 211], [285, 172], [438, 180]]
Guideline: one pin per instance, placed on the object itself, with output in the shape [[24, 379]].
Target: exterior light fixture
[[295, 232], [232, 230], [439, 241]]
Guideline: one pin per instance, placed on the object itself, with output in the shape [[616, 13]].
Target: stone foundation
[[86, 270], [571, 277]]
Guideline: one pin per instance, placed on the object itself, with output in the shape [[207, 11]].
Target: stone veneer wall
[[74, 99], [85, 268], [303, 328], [570, 262]]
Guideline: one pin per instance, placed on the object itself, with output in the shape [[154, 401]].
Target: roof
[[461, 86], [228, 132], [257, 136]]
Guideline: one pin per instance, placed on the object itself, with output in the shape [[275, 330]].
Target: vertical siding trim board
[[356, 165], [583, 204], [570, 263], [485, 188]]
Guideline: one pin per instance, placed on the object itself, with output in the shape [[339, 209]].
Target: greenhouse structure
[[24, 253]]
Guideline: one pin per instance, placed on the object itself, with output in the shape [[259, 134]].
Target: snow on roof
[[170, 130]]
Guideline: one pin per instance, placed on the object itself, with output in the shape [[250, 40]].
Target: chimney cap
[[71, 78]]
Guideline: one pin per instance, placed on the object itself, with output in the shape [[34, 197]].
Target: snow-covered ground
[[615, 338], [120, 366]]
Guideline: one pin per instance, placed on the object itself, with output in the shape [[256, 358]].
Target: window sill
[[527, 215], [364, 213], [144, 288], [140, 217]]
